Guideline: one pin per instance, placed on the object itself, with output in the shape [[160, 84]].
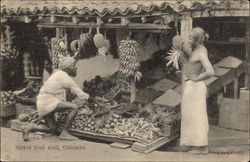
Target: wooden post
[[52, 18], [219, 97], [247, 73], [66, 39], [236, 87], [58, 32], [186, 26]]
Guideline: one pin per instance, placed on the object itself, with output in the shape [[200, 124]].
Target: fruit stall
[[121, 49]]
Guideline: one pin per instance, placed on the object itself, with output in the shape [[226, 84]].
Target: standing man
[[194, 122]]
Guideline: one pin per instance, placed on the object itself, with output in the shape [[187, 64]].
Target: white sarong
[[194, 120]]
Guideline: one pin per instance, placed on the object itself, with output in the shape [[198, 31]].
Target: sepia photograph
[[124, 80]]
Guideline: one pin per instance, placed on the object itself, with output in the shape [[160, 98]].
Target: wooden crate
[[234, 114], [8, 110]]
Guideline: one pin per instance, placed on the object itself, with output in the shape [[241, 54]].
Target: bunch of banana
[[80, 44], [58, 49], [176, 54], [8, 52], [177, 42], [175, 57], [129, 59]]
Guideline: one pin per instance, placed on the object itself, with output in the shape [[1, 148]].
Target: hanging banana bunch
[[58, 49], [129, 59], [130, 64], [8, 51], [101, 43], [80, 44], [176, 54]]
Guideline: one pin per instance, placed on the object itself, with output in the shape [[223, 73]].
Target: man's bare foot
[[199, 150], [26, 130], [66, 136]]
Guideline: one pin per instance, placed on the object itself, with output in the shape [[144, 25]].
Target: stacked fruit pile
[[113, 120], [97, 86], [84, 122], [7, 97], [29, 116], [132, 127]]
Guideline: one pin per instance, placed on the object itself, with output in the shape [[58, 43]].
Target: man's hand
[[79, 102], [192, 77]]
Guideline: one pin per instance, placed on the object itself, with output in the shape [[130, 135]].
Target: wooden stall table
[[237, 66]]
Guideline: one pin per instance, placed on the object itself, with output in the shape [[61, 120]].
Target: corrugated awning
[[103, 8]]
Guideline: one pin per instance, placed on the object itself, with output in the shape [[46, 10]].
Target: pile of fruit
[[131, 127], [29, 116], [97, 86], [7, 97]]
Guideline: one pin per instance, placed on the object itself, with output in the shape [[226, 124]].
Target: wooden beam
[[218, 13], [137, 26]]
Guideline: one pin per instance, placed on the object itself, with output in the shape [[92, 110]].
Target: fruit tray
[[8, 110]]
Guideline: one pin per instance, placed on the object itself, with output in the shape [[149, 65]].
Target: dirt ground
[[50, 148]]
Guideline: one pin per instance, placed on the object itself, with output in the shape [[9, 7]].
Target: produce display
[[7, 97], [129, 63], [131, 127], [97, 86]]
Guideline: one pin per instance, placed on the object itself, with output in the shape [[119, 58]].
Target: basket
[[8, 110], [26, 101]]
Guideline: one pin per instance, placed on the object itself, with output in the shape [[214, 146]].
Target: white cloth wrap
[[54, 90], [194, 120]]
